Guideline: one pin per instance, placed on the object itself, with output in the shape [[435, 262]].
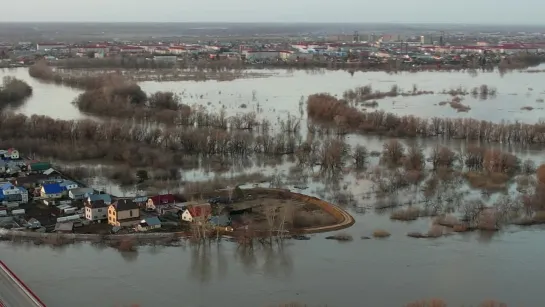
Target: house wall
[[57, 195], [96, 214], [128, 214], [116, 218]]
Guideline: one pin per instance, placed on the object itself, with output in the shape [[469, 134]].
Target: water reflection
[[212, 260]]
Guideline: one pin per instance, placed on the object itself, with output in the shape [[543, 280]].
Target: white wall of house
[[12, 191], [96, 214], [186, 216], [71, 186]]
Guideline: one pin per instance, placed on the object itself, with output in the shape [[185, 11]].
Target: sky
[[388, 11]]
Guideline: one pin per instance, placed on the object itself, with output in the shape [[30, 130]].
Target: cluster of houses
[[73, 204]]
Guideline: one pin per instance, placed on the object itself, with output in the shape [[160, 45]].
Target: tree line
[[326, 109]]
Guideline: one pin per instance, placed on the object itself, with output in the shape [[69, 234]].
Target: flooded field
[[462, 268]]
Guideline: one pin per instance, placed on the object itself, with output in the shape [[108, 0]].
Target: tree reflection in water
[[272, 260]]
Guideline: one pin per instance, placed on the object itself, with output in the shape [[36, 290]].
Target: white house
[[96, 210], [13, 154], [186, 216], [80, 193], [68, 185]]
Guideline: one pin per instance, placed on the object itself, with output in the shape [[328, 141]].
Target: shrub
[[380, 233]]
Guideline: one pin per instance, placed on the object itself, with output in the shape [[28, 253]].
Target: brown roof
[[124, 205], [96, 204]]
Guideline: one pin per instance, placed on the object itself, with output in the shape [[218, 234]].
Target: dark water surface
[[391, 272]]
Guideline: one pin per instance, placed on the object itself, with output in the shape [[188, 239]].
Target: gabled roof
[[104, 197], [163, 199], [96, 204], [52, 188], [124, 204]]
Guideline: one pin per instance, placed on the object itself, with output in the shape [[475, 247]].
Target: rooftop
[[124, 204]]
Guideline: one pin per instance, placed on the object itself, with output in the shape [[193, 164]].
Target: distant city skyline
[[524, 12]]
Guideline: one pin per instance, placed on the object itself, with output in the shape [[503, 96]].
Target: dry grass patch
[[447, 220], [487, 181], [409, 214], [435, 231], [460, 228], [380, 233]]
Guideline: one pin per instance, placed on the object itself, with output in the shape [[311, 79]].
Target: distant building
[[171, 59], [50, 46]]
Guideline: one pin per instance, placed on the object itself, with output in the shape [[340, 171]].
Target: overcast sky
[[408, 11]]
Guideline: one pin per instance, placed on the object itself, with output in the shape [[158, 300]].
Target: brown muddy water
[[460, 268]]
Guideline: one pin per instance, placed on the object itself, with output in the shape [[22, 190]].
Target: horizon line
[[282, 22]]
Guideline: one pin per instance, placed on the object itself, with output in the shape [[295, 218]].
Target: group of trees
[[13, 90], [327, 109]]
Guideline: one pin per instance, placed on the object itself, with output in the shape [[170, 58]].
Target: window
[[94, 217], [99, 210], [130, 212]]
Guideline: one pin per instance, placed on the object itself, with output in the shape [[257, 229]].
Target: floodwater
[[461, 268]]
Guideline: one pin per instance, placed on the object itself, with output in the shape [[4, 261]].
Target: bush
[[380, 233]]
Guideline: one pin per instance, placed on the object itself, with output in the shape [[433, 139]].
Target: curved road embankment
[[343, 220]]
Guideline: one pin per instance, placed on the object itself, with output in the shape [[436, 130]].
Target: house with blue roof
[[51, 190], [12, 194]]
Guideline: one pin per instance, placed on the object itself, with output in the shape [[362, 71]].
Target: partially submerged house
[[123, 212], [149, 223]]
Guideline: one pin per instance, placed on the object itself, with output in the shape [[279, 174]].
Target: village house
[[155, 202], [96, 210], [51, 190], [66, 227], [96, 197], [80, 193], [123, 213], [11, 153], [12, 194], [149, 223], [199, 212], [67, 185]]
